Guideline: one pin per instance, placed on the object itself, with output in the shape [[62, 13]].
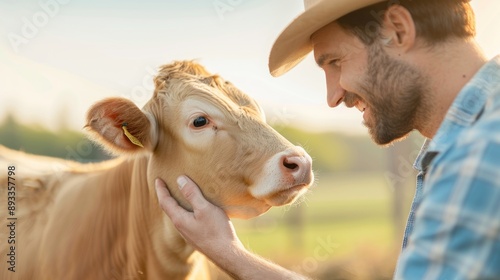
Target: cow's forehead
[[185, 79]]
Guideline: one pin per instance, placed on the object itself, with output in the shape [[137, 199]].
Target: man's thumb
[[192, 193]]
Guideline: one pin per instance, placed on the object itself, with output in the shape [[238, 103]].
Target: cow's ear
[[121, 127]]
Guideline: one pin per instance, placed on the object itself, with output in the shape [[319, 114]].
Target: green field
[[344, 229]]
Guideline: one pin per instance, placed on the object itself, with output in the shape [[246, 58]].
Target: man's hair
[[435, 20]]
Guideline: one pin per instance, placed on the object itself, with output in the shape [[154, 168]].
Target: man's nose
[[335, 93]]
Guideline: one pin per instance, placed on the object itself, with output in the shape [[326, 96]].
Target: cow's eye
[[200, 122]]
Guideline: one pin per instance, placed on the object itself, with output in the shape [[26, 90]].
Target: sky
[[58, 57]]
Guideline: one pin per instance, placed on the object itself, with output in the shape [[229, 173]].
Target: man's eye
[[200, 122], [335, 62]]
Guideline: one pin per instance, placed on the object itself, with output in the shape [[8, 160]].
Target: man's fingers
[[192, 193], [167, 202]]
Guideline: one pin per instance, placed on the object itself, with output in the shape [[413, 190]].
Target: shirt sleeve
[[456, 232]]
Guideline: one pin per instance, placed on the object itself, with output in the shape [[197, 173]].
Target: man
[[405, 64]]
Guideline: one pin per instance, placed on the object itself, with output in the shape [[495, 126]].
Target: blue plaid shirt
[[453, 231]]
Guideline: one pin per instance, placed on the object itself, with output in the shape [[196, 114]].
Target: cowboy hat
[[294, 44]]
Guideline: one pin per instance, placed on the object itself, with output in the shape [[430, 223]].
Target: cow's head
[[201, 125]]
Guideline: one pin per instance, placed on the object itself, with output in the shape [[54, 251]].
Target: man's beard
[[394, 94]]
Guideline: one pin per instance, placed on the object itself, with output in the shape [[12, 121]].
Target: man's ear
[[398, 28], [121, 127]]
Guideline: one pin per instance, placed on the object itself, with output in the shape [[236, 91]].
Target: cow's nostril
[[289, 165]]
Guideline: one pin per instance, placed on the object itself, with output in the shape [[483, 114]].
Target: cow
[[103, 220]]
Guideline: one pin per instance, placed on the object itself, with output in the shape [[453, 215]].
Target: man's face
[[386, 90]]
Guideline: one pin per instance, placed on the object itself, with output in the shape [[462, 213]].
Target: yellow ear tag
[[131, 137]]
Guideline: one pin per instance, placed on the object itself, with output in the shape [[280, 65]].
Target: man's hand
[[208, 228]]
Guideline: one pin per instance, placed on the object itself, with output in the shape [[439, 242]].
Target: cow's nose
[[298, 166]]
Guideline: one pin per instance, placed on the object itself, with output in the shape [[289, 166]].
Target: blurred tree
[[335, 152], [65, 143]]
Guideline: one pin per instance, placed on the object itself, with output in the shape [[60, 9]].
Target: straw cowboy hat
[[294, 44]]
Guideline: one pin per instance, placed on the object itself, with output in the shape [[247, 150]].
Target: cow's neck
[[153, 246]]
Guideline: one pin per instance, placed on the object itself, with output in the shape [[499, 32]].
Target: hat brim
[[293, 44]]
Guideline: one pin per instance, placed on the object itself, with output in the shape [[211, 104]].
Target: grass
[[344, 219]]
